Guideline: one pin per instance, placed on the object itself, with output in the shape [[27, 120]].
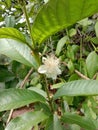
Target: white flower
[[50, 67]]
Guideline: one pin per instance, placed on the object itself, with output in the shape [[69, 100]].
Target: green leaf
[[1, 125], [49, 124], [96, 29], [78, 88], [57, 123], [71, 66], [70, 52], [60, 44], [12, 83], [72, 32], [53, 123], [5, 75], [27, 121], [84, 122], [39, 91], [15, 98], [74, 127], [57, 85], [10, 21], [8, 3], [12, 33], [18, 51], [92, 64], [94, 40], [85, 22], [59, 14]]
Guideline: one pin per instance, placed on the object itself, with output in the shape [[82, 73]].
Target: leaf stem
[[23, 5], [33, 47], [49, 99]]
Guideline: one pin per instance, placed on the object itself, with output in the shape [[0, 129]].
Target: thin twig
[[78, 73], [21, 86], [10, 116], [26, 78], [81, 75], [95, 76]]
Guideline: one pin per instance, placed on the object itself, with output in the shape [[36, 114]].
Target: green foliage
[[5, 75], [57, 15], [12, 33], [92, 68], [53, 123], [60, 45], [96, 28], [15, 98], [78, 88], [10, 21], [84, 122], [11, 48], [68, 101], [27, 120]]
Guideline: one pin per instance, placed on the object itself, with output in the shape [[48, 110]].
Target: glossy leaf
[[92, 64], [27, 121], [78, 88], [15, 98], [84, 122], [18, 51], [59, 14], [12, 33]]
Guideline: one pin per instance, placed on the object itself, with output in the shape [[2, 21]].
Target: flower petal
[[42, 69]]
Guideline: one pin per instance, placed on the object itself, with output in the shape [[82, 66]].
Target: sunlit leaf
[[8, 3], [12, 33], [59, 14]]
